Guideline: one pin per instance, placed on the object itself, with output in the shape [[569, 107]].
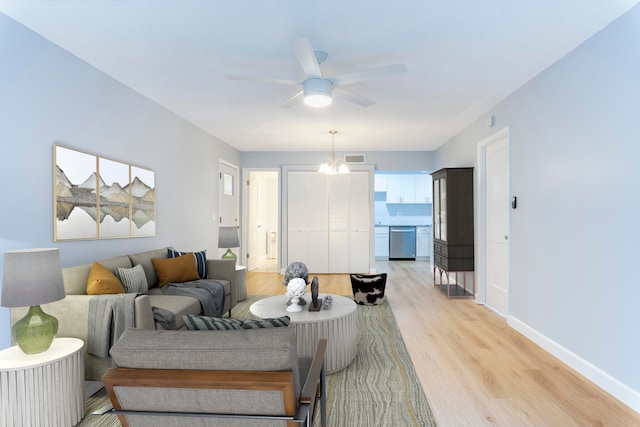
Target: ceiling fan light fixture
[[317, 92]]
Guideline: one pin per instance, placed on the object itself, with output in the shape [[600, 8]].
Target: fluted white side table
[[241, 282], [337, 325], [43, 389]]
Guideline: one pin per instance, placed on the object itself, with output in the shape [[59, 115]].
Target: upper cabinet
[[404, 188], [423, 189]]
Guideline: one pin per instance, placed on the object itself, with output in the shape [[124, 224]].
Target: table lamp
[[228, 238], [32, 277]]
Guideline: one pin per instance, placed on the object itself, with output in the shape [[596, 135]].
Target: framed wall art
[[99, 198], [75, 208], [143, 202]]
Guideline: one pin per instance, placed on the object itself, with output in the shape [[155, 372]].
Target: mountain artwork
[[98, 198]]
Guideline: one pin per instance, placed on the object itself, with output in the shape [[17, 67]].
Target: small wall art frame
[[99, 198]]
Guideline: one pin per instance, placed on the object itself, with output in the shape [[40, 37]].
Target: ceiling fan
[[317, 89]]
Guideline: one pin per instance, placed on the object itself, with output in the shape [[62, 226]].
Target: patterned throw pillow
[[134, 280], [201, 261], [368, 289], [219, 324]]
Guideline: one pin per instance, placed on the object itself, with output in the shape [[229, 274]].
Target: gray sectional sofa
[[73, 311]]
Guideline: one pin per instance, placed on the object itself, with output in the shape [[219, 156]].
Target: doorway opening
[[262, 236]]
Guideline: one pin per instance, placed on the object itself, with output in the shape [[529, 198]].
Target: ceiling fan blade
[[371, 73], [353, 97], [263, 80], [306, 57], [292, 100]]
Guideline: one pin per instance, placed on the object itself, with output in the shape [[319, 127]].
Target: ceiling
[[462, 58]]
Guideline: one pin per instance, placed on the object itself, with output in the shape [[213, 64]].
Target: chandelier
[[333, 166]]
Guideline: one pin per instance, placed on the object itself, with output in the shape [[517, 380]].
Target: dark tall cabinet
[[453, 233]]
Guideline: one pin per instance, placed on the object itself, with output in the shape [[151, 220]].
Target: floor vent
[[354, 159]]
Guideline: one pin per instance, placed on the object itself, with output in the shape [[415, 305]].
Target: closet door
[[318, 250], [338, 223], [359, 224], [329, 221], [307, 210]]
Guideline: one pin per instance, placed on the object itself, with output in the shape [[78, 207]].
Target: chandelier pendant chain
[[333, 148]]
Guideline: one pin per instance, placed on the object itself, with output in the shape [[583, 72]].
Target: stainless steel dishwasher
[[402, 242]]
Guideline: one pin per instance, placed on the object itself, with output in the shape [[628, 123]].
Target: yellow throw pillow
[[175, 270], [102, 281]]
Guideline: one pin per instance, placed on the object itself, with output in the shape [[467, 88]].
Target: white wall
[[48, 96], [574, 152], [383, 160]]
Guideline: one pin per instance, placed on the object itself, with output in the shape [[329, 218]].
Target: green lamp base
[[229, 255], [35, 332]]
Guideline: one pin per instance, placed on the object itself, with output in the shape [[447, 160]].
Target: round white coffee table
[[337, 325]]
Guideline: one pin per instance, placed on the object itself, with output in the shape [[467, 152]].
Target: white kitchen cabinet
[[423, 241], [411, 188], [380, 182], [423, 188], [382, 242], [401, 188]]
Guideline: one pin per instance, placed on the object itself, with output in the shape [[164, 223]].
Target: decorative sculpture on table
[[296, 270], [316, 303], [296, 288]]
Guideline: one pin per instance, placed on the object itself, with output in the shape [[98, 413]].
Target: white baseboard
[[611, 385]]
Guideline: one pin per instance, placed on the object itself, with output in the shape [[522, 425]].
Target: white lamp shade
[[228, 237], [31, 277]]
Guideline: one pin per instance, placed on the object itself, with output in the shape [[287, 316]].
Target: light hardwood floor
[[474, 368]]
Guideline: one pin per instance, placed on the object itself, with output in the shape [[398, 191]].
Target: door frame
[[244, 237], [481, 231]]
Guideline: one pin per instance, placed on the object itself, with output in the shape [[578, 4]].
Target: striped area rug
[[380, 388]]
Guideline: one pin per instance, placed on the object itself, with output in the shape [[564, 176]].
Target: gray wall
[[574, 153], [48, 96]]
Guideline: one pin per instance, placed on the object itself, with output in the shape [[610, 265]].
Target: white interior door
[[228, 199], [253, 226], [497, 225], [262, 220]]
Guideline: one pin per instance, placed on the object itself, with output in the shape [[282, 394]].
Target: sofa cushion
[[220, 324], [75, 279], [176, 270], [177, 304], [133, 279], [144, 259], [200, 259], [102, 281]]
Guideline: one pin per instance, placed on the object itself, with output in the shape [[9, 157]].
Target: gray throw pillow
[[134, 280]]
